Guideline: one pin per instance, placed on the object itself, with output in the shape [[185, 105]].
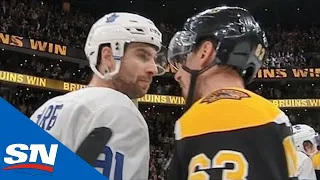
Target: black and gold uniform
[[316, 164], [233, 134]]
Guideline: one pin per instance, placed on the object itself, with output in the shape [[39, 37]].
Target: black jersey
[[233, 134]]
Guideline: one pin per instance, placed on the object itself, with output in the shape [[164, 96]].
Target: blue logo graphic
[[28, 152], [17, 159], [112, 18]]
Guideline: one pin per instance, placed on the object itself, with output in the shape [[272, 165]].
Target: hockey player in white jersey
[[306, 170], [302, 135], [122, 51]]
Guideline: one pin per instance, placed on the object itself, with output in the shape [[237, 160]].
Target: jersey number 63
[[202, 162]]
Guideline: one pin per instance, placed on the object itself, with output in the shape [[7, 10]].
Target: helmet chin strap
[[107, 74], [194, 75], [190, 96], [96, 72]]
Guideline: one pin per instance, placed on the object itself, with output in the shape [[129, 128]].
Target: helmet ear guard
[[238, 54], [244, 53], [117, 52]]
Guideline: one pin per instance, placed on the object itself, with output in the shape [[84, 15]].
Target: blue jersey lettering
[[48, 117]]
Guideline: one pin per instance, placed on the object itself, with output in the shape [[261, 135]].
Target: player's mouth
[[145, 83], [182, 86], [149, 81]]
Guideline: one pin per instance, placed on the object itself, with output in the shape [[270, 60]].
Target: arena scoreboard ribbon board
[[61, 51], [62, 86], [278, 73]]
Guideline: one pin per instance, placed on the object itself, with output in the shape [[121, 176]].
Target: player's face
[[311, 148], [137, 70], [195, 60], [183, 77]]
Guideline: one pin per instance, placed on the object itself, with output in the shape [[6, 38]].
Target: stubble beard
[[123, 85]]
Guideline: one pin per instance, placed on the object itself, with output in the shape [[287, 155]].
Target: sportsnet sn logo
[[35, 156]]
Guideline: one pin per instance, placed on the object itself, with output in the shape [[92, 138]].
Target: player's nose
[[177, 75], [152, 69]]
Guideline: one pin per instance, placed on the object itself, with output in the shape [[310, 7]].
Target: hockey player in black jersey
[[228, 132]]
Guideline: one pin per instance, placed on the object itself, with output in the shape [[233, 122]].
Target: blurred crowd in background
[[72, 72], [44, 67], [51, 23], [41, 21]]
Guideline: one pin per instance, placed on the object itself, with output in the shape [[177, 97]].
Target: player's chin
[[144, 86], [142, 91], [184, 93]]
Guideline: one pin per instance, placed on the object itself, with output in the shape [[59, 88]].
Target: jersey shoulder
[[91, 98], [302, 157], [97, 97], [229, 109], [93, 103], [110, 108]]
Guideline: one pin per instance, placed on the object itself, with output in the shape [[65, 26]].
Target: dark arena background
[[41, 56]]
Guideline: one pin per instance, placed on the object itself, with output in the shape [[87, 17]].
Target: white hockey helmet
[[118, 29], [302, 133]]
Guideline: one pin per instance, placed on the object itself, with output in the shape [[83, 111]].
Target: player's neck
[[97, 82], [220, 81]]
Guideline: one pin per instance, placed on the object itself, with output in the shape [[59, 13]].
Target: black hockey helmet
[[240, 42]]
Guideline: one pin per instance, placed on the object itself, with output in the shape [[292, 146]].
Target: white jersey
[[71, 117], [306, 170]]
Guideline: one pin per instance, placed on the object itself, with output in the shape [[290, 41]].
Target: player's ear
[[307, 146], [206, 53], [107, 60]]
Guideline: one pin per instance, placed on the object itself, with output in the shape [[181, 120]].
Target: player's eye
[[144, 57]]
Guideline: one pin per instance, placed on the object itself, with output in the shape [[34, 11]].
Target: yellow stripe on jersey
[[291, 156], [226, 114], [316, 161]]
